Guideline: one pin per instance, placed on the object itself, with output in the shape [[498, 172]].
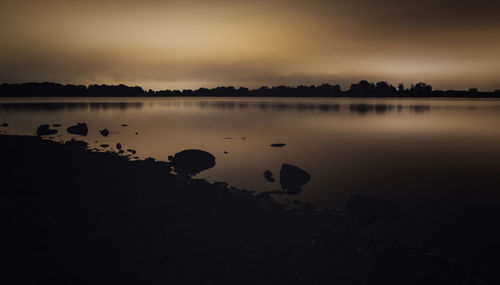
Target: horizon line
[[374, 84]]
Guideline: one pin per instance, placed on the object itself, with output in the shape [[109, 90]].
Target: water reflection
[[273, 106], [363, 109], [69, 106], [115, 105], [354, 107], [360, 108]]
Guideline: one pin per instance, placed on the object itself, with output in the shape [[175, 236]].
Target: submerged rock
[[79, 129], [76, 144], [45, 130], [277, 145], [371, 209], [4, 125], [269, 176], [104, 132], [124, 125], [56, 125], [192, 161], [293, 177]]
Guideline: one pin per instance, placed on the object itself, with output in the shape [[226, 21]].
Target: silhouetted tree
[[421, 89], [243, 92], [362, 89], [327, 90], [382, 89]]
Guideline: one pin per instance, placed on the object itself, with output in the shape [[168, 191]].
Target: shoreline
[[485, 97], [361, 89], [95, 217]]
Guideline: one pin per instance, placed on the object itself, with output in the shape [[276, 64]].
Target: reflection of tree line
[[382, 108], [362, 108], [360, 89], [221, 105], [60, 106], [280, 106]]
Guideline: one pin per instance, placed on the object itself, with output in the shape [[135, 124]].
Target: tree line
[[360, 89]]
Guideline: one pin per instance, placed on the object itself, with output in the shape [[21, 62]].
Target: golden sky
[[202, 43]]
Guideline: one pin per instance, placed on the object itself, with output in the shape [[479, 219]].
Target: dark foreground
[[85, 217]]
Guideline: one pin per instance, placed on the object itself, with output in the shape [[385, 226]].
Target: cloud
[[194, 43]]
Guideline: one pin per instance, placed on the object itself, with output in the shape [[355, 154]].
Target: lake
[[437, 158]]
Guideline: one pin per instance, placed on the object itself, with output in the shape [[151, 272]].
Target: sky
[[202, 43]]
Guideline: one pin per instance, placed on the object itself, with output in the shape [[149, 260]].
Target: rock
[[118, 146], [192, 161], [293, 191], [5, 125], [136, 133], [371, 209], [269, 176], [303, 205], [121, 151], [293, 177], [79, 129], [170, 157], [44, 130], [104, 132], [278, 145], [225, 152], [76, 144], [104, 145], [132, 151], [124, 125], [56, 125]]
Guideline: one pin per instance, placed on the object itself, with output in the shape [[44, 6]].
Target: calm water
[[439, 159]]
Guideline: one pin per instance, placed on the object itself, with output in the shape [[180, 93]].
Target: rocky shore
[[86, 217]]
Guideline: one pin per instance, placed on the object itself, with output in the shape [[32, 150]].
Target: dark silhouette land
[[361, 89], [85, 217]]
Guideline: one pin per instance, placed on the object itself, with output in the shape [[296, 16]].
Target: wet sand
[[84, 217]]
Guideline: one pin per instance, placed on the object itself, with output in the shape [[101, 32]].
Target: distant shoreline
[[362, 89]]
